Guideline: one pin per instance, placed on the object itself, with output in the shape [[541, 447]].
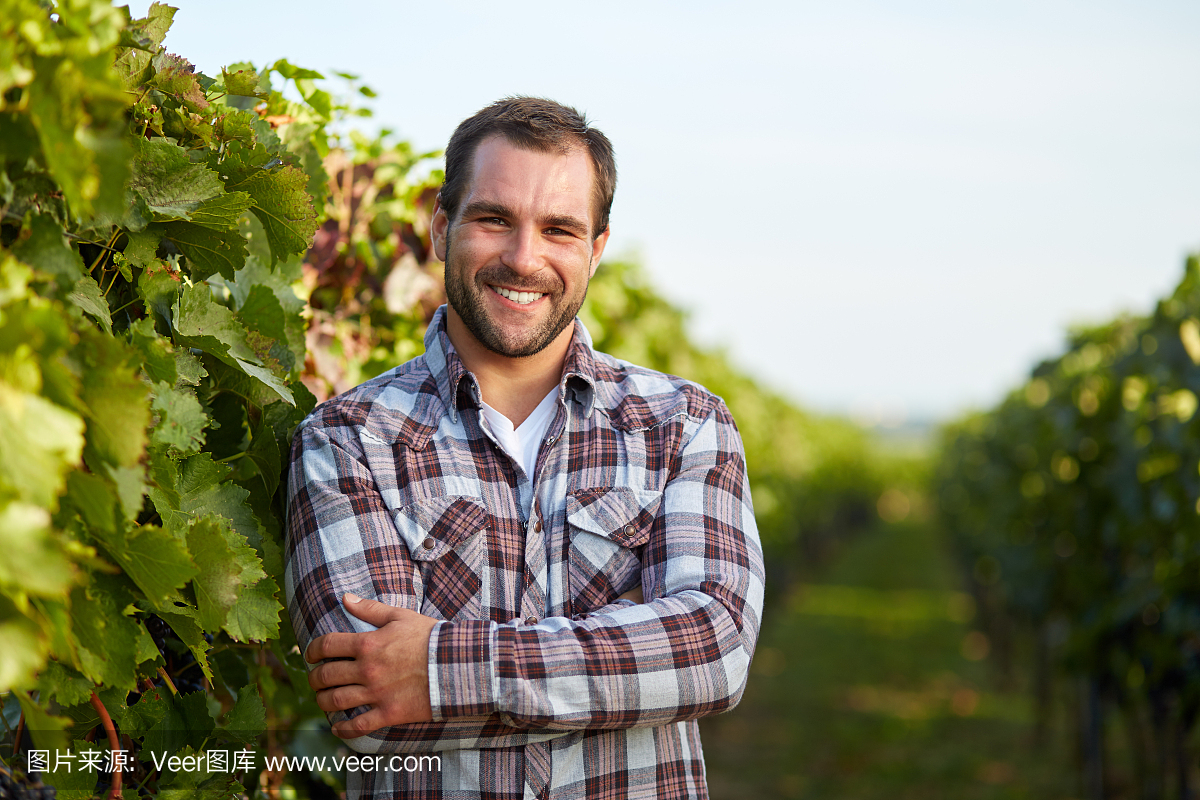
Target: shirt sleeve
[[341, 538], [685, 653]]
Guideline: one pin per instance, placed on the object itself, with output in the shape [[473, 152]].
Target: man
[[536, 561]]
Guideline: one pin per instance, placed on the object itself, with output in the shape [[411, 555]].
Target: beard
[[468, 301]]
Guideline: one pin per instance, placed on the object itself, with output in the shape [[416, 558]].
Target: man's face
[[521, 251]]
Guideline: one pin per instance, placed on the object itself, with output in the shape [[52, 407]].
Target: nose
[[523, 251]]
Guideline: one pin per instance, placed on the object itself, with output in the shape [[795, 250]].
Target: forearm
[[453, 734], [683, 654], [674, 658]]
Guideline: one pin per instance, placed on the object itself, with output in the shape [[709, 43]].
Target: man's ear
[[437, 229], [598, 249]]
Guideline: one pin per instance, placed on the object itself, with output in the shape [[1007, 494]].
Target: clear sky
[[877, 207]]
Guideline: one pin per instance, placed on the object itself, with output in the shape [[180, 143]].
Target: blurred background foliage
[[1073, 511]]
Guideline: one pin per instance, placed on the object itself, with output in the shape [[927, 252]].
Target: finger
[[332, 645], [360, 725], [372, 611], [343, 698], [334, 673]]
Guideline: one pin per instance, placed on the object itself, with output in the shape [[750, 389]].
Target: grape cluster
[[180, 662], [22, 788]]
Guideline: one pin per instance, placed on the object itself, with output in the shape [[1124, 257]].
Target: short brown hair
[[531, 123]]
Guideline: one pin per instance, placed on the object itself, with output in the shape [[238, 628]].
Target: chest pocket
[[608, 529], [446, 537]]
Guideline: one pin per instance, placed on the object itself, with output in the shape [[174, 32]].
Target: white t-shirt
[[524, 442]]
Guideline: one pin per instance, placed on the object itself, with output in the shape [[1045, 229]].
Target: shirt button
[[531, 620], [629, 531], [537, 526], [428, 543]]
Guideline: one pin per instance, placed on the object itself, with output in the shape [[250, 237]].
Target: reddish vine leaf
[[176, 77], [241, 82]]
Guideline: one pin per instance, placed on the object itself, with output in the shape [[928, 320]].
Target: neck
[[512, 386]]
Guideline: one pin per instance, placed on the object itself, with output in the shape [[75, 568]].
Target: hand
[[634, 594], [388, 668]]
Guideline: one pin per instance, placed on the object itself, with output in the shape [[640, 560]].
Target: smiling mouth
[[520, 298]]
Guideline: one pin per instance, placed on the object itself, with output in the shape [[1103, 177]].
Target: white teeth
[[520, 298]]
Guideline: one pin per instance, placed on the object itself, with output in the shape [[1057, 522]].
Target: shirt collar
[[458, 388]]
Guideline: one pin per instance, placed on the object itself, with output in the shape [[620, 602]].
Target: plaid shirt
[[542, 683]]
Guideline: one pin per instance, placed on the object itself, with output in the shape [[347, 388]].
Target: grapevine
[[1075, 509], [154, 221]]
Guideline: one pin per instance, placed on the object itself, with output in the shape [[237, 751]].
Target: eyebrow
[[481, 208], [484, 208]]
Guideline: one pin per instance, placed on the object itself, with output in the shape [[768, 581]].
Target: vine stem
[[17, 738], [122, 308], [114, 745], [167, 678], [112, 240]]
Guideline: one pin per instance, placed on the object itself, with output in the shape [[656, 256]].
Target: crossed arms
[[436, 685]]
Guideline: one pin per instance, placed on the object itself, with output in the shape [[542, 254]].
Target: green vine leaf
[[228, 566], [255, 615], [203, 323], [241, 82], [86, 295], [43, 246], [172, 186], [190, 633], [181, 419], [208, 251], [247, 719], [281, 203], [109, 644], [116, 399], [65, 684], [39, 443], [24, 644], [142, 38], [34, 561]]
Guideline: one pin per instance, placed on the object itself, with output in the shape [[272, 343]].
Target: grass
[[871, 684]]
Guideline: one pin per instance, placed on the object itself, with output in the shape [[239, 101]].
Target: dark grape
[[21, 788]]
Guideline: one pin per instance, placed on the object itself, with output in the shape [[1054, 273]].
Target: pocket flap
[[618, 513], [434, 526]]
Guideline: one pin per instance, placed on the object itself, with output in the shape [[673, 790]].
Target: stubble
[[468, 302]]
